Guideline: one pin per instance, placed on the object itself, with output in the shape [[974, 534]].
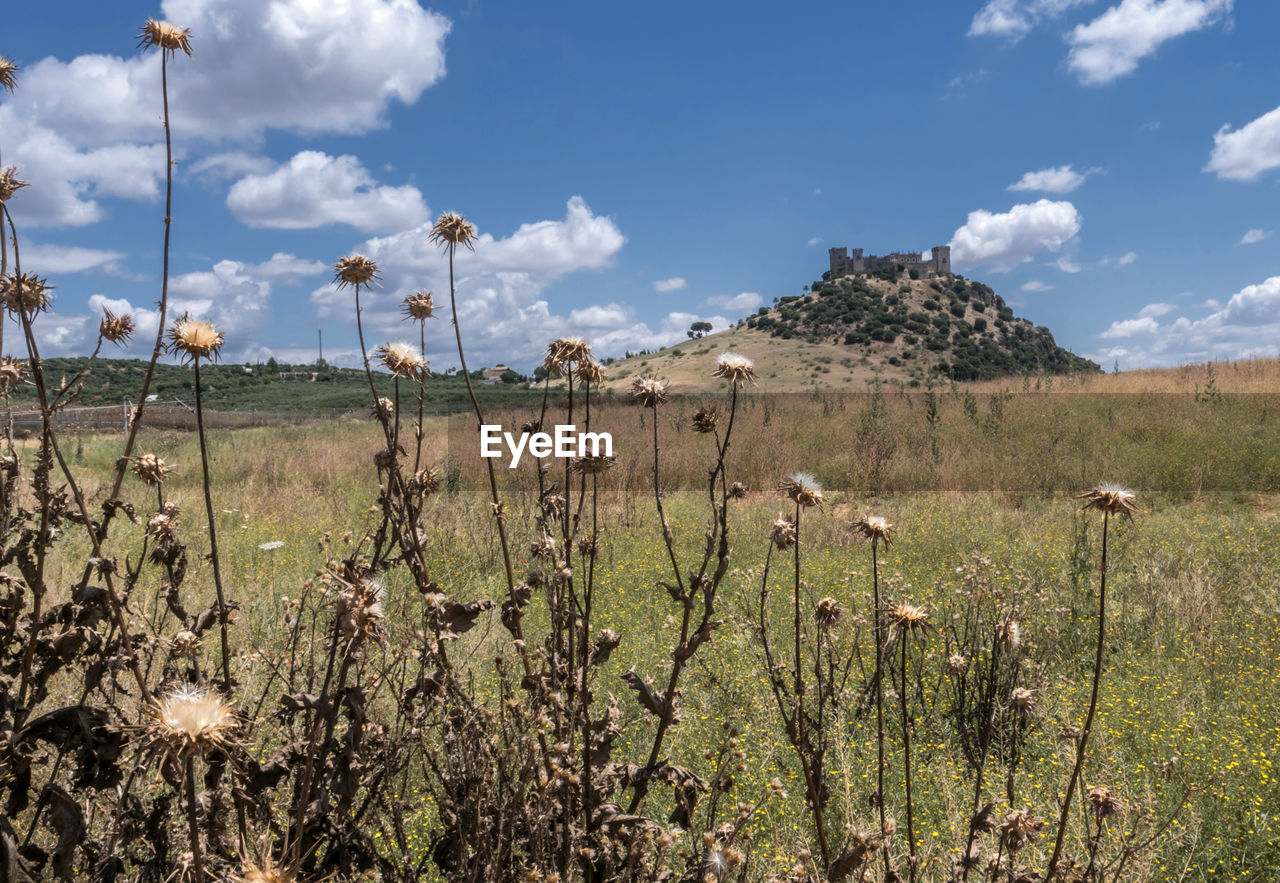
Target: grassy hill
[[849, 331]]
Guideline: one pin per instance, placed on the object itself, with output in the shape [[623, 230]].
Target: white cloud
[[1055, 179], [1066, 265], [1247, 326], [816, 240], [314, 189], [288, 267], [1254, 236], [675, 283], [1015, 18], [1112, 44], [1004, 240], [1249, 151], [44, 259], [1035, 285], [738, 304], [1127, 258], [87, 128], [1155, 310], [230, 164]]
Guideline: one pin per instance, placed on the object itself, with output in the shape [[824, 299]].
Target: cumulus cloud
[[314, 189], [46, 259], [1004, 240], [675, 283], [814, 240], [1247, 326], [1254, 236], [1110, 46], [1014, 19], [1067, 265], [1035, 285], [1055, 179], [1247, 152], [329, 68], [1127, 258], [738, 304]]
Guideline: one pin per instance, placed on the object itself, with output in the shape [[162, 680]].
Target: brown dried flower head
[[735, 368], [420, 306], [11, 373], [543, 547], [737, 491], [425, 481], [185, 643], [166, 37], [1103, 802], [195, 339], [355, 269], [163, 528], [1022, 701], [828, 612], [360, 609], [704, 420], [803, 488], [268, 872], [402, 360], [116, 329], [593, 464], [452, 230], [589, 372], [564, 351], [909, 617], [8, 74], [1110, 499], [151, 469], [956, 664], [649, 391], [191, 721], [25, 291], [874, 528], [783, 533], [10, 183], [1009, 634], [383, 409], [1018, 829]]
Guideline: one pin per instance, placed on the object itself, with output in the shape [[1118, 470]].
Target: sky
[[1111, 168]]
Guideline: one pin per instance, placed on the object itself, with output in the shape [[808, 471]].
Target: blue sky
[[1111, 167]]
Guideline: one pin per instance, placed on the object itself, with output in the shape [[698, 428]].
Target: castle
[[935, 265]]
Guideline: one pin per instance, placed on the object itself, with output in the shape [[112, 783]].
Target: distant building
[[494, 374], [937, 264]]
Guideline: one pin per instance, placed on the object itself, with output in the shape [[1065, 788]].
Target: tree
[[698, 329]]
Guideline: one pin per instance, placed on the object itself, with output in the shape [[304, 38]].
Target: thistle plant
[[909, 621]]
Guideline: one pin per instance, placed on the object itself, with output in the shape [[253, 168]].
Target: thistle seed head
[[191, 721], [783, 533], [828, 612], [151, 469], [25, 292], [11, 373], [10, 183], [360, 610], [8, 74], [1018, 829], [1103, 802], [355, 269], [1009, 634], [383, 409], [595, 464], [425, 481], [195, 339], [956, 664], [704, 420], [402, 360], [803, 488], [116, 329], [564, 351], [649, 391], [874, 527], [735, 368], [737, 491], [420, 306], [168, 38], [590, 372], [451, 229], [909, 617], [1022, 701], [1110, 499]]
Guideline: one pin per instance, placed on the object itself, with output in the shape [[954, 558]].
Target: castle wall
[[842, 264]]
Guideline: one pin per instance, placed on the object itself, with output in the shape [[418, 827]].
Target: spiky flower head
[[704, 420], [828, 612], [168, 38], [11, 372], [589, 372], [783, 533], [874, 528], [649, 391], [956, 663], [383, 409], [360, 610], [909, 617], [151, 469], [1022, 701], [163, 528], [737, 491], [564, 351], [268, 872], [25, 291], [1103, 802], [116, 329], [1110, 499], [1009, 634], [195, 339], [355, 269], [1018, 829], [735, 368], [420, 306], [595, 464], [402, 360], [425, 481], [191, 720], [8, 74], [185, 643], [803, 488], [452, 230], [10, 183]]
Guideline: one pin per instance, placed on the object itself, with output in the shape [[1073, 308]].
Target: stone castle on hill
[[842, 264]]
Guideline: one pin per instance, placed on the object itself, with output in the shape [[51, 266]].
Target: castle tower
[[942, 259], [838, 258]]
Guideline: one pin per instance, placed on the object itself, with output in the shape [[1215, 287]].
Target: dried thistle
[[783, 533], [1022, 701], [909, 617], [453, 229], [163, 528], [874, 527], [564, 351], [185, 644], [735, 368], [1111, 499], [1103, 802], [737, 491], [8, 74], [402, 360], [1009, 634], [355, 269], [589, 372], [828, 612], [383, 409], [26, 292], [11, 373], [359, 609], [956, 664], [194, 338], [116, 329], [595, 464], [166, 37], [151, 469], [704, 420], [10, 183], [420, 306], [191, 721], [649, 391], [1018, 829], [803, 488], [425, 481]]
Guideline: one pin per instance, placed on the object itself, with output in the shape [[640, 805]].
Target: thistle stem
[[213, 535]]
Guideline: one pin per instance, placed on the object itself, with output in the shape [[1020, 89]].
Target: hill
[[849, 331]]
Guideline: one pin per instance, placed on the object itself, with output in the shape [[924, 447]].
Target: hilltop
[[848, 331]]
